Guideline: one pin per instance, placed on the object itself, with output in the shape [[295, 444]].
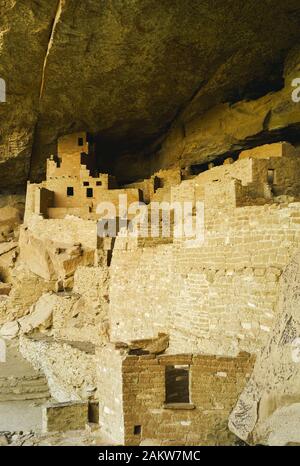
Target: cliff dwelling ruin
[[150, 225]]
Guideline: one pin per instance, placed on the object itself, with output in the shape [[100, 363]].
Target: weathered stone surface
[[7, 247], [138, 63], [5, 289], [26, 290], [3, 441], [77, 319], [19, 382], [154, 346], [268, 409], [49, 256], [61, 417], [198, 137], [133, 395], [219, 297], [10, 330], [70, 369], [267, 151], [8, 261], [40, 315], [39, 318], [11, 216], [73, 438]]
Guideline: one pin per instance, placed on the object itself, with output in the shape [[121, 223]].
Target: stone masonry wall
[[137, 383], [215, 384], [217, 298], [110, 385]]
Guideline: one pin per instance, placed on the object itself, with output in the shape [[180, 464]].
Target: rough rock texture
[[70, 369], [53, 260], [26, 290], [5, 289], [19, 381], [70, 438], [83, 316], [8, 257], [223, 130], [126, 68], [268, 411], [61, 417], [54, 250], [11, 216], [39, 318]]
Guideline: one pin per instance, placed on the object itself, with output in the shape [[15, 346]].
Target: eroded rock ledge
[[127, 70]]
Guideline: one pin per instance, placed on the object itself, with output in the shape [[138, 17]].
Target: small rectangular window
[[98, 183], [70, 191], [137, 430], [89, 192], [177, 384], [93, 412], [86, 183], [80, 141], [271, 176]]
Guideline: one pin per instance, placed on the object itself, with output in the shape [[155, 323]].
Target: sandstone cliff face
[[25, 29], [224, 129], [125, 69], [268, 411]]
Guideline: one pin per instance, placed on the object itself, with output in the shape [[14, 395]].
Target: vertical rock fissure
[[59, 8], [56, 18]]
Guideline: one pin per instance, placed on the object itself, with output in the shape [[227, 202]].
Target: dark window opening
[[93, 412], [80, 141], [271, 176], [98, 183], [70, 191], [177, 384], [158, 183], [137, 430], [89, 192], [86, 183]]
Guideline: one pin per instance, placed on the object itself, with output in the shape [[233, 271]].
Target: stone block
[[61, 417], [10, 330], [278, 149]]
